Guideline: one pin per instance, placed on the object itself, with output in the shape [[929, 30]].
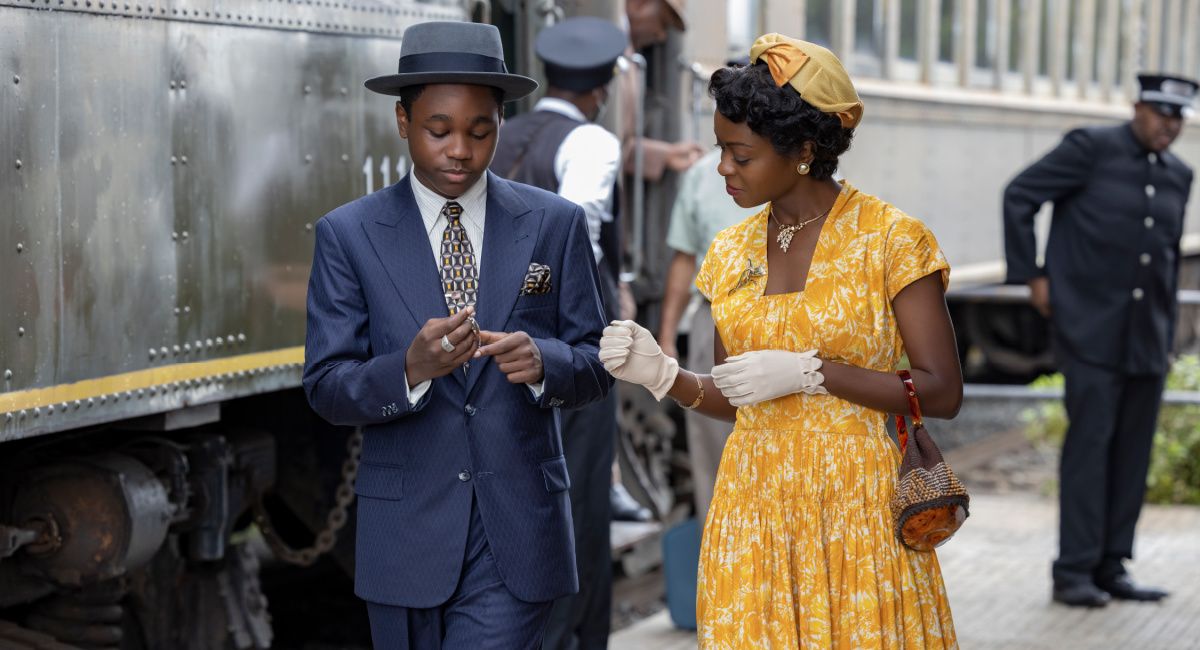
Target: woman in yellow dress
[[816, 299]]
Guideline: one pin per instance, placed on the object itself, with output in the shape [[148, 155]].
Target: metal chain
[[334, 521]]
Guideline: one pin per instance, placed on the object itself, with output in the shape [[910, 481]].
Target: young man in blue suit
[[450, 315]]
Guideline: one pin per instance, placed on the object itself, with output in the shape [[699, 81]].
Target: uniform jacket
[[1113, 254], [374, 283], [529, 144]]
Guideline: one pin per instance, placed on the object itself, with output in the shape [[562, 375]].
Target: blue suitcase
[[681, 563]]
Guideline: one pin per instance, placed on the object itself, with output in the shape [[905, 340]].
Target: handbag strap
[[914, 407]]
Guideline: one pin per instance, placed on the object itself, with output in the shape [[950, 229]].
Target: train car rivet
[[91, 402], [8, 375], [49, 409], [20, 247], [20, 331], [140, 393], [183, 86], [76, 404], [307, 158], [187, 309], [21, 414], [345, 91], [19, 163], [241, 338], [173, 158], [175, 350], [187, 347], [153, 353], [345, 157], [8, 417], [177, 311], [184, 234], [208, 343], [37, 412], [16, 78], [220, 341], [103, 399], [172, 84], [307, 89], [162, 352], [308, 227], [183, 159]]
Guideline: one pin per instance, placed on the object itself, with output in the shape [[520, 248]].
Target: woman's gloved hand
[[762, 375], [630, 353]]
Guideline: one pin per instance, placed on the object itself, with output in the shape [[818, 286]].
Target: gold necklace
[[786, 232]]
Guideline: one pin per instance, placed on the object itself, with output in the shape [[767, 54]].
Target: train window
[[868, 27], [818, 21]]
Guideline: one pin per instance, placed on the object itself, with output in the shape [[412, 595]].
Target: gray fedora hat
[[453, 53]]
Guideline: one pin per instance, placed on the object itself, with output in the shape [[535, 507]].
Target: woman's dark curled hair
[[749, 94]]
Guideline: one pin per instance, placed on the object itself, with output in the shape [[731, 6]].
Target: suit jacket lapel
[[399, 238], [510, 233]]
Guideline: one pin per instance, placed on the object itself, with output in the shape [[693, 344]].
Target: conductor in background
[[557, 147], [1108, 286]]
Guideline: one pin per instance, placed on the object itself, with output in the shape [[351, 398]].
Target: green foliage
[[1175, 464]]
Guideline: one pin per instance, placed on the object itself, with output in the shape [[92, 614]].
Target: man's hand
[[517, 356], [1039, 295], [682, 155], [426, 359]]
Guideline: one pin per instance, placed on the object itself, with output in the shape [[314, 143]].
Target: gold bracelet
[[699, 398]]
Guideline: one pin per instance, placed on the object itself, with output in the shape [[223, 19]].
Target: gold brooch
[[748, 276]]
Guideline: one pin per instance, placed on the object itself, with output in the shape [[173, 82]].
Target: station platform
[[997, 574]]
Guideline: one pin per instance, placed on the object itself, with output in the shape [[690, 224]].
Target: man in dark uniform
[[1108, 286], [558, 148]]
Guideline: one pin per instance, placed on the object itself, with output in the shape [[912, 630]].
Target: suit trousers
[[481, 613], [705, 436], [1102, 478], [581, 621]]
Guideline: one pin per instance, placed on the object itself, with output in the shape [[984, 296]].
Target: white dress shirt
[[586, 166], [474, 214]]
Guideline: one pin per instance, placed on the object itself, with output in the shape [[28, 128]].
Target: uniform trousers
[[481, 613], [582, 621], [706, 436], [1102, 478]]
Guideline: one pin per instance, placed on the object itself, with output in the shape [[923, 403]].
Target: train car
[[164, 162]]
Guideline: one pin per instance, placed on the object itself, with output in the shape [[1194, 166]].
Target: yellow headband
[[814, 72]]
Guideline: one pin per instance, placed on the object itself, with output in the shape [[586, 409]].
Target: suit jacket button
[[555, 402], [470, 409], [464, 476]]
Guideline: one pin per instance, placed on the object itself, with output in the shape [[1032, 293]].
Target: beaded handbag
[[930, 503]]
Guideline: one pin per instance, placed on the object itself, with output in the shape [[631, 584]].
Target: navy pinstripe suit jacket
[[374, 283]]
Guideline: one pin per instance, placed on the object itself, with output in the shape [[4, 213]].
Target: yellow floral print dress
[[799, 550]]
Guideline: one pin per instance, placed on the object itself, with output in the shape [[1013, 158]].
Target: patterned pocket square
[[537, 280]]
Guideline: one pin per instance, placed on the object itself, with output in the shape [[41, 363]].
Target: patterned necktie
[[460, 275]]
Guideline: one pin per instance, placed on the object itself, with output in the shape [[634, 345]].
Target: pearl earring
[[802, 168]]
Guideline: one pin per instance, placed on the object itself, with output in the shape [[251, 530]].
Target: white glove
[[630, 353], [761, 375]]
